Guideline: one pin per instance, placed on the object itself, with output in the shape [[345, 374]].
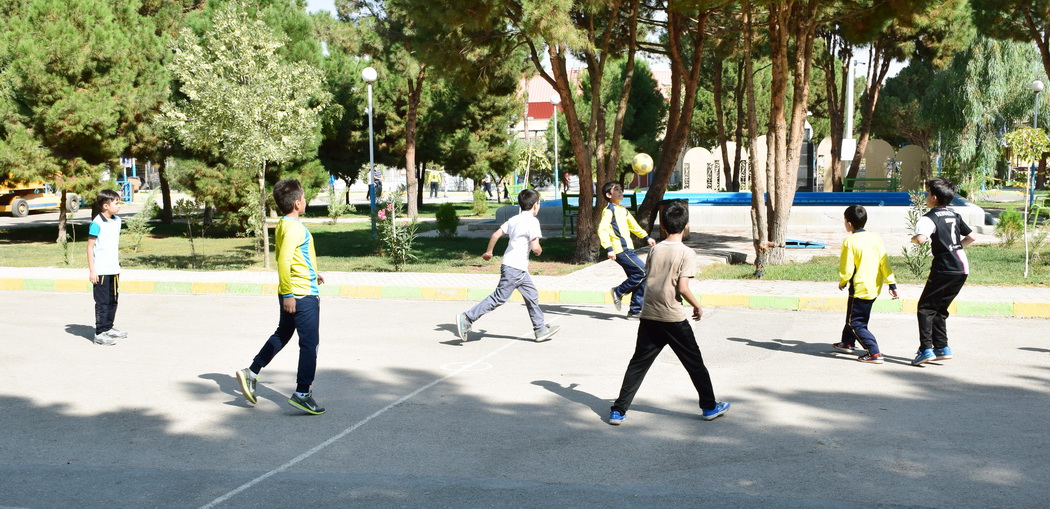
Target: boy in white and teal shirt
[[103, 247]]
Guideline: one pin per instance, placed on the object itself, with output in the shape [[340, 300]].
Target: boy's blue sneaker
[[942, 354], [615, 418], [923, 357], [716, 412]]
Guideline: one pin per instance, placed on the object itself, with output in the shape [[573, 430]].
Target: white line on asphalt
[[349, 430]]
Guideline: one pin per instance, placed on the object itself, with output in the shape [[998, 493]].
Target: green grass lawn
[[348, 247], [342, 247], [989, 265]]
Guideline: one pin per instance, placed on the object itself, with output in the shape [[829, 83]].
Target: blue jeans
[[511, 279], [305, 321], [634, 267]]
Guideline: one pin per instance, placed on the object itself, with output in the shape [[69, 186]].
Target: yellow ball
[[642, 164]]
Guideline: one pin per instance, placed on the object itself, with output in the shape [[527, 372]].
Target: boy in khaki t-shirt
[[664, 322]]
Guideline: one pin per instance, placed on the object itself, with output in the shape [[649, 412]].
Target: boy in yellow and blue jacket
[[299, 298], [614, 233], [864, 266]]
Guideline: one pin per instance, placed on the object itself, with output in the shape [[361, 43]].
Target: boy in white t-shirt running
[[103, 247], [524, 232]]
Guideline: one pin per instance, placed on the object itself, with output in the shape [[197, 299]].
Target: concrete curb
[[1023, 309]]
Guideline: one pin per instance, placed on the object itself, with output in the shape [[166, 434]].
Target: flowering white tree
[[242, 101]]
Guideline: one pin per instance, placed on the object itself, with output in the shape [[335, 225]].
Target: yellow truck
[[19, 199]]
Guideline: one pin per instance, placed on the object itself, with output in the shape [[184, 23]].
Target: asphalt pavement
[[417, 418]]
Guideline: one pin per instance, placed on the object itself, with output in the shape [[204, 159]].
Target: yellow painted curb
[[550, 296], [363, 292], [72, 285], [1032, 309], [725, 300], [208, 288], [10, 284]]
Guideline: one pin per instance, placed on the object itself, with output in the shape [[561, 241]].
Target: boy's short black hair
[[674, 217], [285, 193], [608, 187], [105, 196], [857, 216], [527, 198], [942, 189]]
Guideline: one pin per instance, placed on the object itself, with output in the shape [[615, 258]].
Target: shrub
[[447, 220], [1010, 227], [138, 225], [481, 203], [916, 256]]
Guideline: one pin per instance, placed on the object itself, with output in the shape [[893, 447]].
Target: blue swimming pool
[[870, 199]]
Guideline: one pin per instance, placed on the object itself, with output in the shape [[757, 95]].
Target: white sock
[[302, 394]]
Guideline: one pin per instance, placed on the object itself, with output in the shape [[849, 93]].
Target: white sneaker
[[116, 333], [105, 339]]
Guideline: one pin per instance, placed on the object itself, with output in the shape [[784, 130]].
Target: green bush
[[1010, 227], [481, 203], [447, 220], [916, 256]]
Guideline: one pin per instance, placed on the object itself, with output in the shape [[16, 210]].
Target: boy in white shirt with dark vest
[[948, 235], [103, 248], [524, 232]]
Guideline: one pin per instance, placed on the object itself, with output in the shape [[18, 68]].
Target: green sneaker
[[247, 381], [306, 404]]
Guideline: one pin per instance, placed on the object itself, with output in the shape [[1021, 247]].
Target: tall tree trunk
[[586, 240], [62, 217], [625, 94], [741, 120], [262, 216], [415, 93], [759, 221], [685, 78], [166, 215], [788, 20], [878, 68], [835, 62], [720, 125]]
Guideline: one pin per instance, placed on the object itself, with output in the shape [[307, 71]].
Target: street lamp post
[[369, 75], [555, 100]]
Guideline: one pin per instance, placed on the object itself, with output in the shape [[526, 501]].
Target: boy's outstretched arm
[[687, 294], [492, 244]]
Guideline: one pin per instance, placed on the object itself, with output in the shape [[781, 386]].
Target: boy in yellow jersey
[[299, 299], [614, 234], [864, 266]]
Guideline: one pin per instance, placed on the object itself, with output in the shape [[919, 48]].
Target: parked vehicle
[[18, 200]]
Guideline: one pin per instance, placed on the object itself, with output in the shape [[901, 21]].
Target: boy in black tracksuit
[[948, 235]]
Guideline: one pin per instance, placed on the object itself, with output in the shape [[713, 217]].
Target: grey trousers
[[511, 279]]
